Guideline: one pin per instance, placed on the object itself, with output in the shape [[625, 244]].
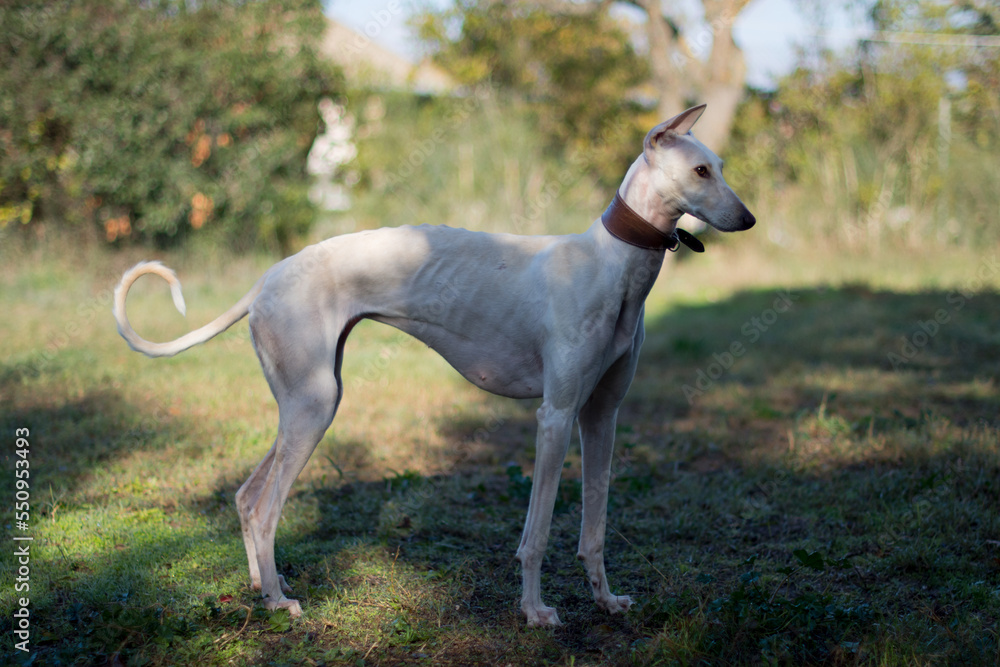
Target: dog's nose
[[748, 220]]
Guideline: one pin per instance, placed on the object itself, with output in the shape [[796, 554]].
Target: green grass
[[814, 500]]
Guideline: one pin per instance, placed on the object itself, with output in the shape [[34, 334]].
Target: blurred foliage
[[894, 143], [152, 121], [167, 120], [572, 72], [469, 161]]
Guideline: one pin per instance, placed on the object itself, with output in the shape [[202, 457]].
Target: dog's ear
[[679, 124]]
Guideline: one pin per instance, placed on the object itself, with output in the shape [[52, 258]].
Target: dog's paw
[[615, 604], [285, 588], [293, 607], [541, 616]]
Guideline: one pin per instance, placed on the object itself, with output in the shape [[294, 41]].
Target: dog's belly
[[498, 364], [474, 298]]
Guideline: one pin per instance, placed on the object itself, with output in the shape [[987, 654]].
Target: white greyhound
[[555, 317]]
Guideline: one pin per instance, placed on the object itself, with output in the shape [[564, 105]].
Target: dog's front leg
[[597, 440], [554, 427]]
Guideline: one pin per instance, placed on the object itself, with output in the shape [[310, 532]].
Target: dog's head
[[689, 176]]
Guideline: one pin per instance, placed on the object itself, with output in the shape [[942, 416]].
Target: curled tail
[[210, 330]]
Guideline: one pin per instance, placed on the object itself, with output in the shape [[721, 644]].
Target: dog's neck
[[637, 191]]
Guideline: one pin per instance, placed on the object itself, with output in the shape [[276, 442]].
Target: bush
[[472, 161], [575, 73], [154, 122], [876, 151]]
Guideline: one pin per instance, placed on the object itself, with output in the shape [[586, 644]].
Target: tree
[[706, 66], [571, 69], [894, 141], [680, 74], [160, 120]]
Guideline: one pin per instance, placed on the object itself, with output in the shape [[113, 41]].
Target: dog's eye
[[701, 170]]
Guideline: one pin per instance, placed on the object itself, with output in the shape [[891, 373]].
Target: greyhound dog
[[553, 317]]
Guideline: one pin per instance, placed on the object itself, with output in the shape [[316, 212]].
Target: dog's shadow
[[719, 388], [701, 438]]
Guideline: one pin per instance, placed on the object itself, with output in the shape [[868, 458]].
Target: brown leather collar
[[626, 225]]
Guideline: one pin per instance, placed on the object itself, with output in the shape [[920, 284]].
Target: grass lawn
[[807, 472]]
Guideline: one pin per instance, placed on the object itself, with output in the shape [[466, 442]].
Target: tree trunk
[[726, 70], [678, 74], [667, 77]]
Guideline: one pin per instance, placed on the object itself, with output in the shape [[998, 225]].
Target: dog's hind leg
[[304, 378], [245, 499]]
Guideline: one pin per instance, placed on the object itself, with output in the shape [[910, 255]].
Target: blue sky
[[768, 31]]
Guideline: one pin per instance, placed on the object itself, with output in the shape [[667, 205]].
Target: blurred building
[[369, 65]]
